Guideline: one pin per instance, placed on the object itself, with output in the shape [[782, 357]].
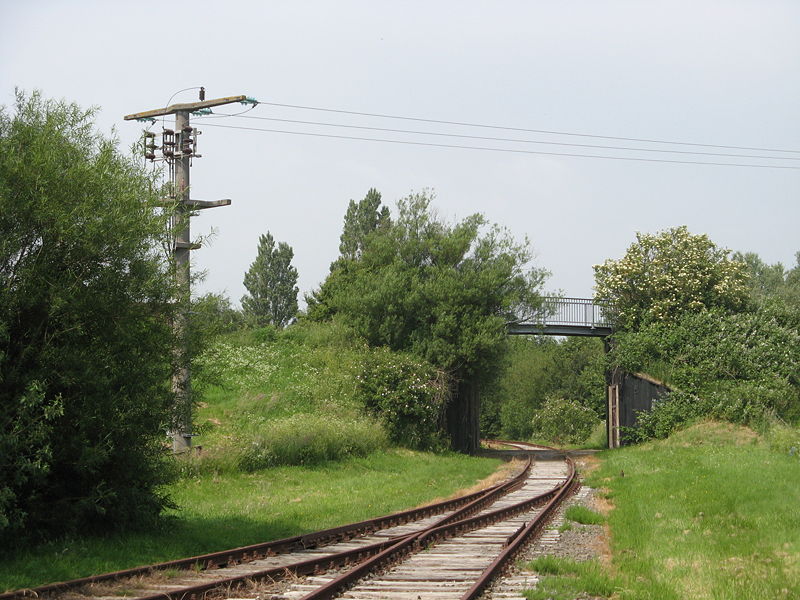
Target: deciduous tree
[[272, 284], [360, 220], [442, 292], [85, 335]]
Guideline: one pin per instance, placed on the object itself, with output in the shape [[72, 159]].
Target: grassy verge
[[712, 512], [229, 509], [563, 579]]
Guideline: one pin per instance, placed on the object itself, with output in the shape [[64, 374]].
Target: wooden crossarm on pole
[[194, 204], [187, 107]]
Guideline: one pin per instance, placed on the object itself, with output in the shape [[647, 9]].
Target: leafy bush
[[266, 334], [563, 421], [667, 416], [85, 338], [741, 368], [407, 394], [311, 439]]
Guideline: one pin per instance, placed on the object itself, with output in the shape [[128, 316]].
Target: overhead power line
[[510, 150], [501, 139], [546, 131]]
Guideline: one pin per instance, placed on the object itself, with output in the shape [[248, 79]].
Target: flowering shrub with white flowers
[[406, 394], [667, 274]]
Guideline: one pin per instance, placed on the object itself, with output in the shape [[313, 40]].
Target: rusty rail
[[551, 499], [464, 506]]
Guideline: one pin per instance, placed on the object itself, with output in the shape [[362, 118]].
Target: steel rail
[[464, 506], [517, 541], [414, 543], [358, 555]]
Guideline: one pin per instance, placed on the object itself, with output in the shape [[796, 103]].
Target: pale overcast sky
[[712, 72]]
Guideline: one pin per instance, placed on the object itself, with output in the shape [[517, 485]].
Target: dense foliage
[[739, 367], [667, 274], [441, 292], [407, 394], [563, 421], [85, 340], [724, 333], [536, 368], [272, 284]]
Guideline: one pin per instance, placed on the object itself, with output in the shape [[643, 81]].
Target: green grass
[[563, 579], [711, 512], [233, 509], [585, 516]]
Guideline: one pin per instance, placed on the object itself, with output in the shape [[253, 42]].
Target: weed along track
[[451, 549]]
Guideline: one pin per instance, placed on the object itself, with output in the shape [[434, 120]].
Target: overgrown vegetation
[[312, 392], [85, 339], [538, 368], [407, 395], [440, 292], [563, 421], [726, 337]]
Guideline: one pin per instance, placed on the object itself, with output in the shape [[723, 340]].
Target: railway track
[[414, 551]]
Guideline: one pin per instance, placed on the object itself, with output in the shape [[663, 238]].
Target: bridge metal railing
[[579, 312]]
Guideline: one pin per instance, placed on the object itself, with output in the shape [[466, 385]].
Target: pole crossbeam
[[186, 107]]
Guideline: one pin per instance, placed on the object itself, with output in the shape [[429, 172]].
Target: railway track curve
[[481, 531]]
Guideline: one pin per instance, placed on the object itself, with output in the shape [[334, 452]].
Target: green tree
[[272, 284], [85, 339], [667, 274], [361, 219], [765, 280], [442, 292]]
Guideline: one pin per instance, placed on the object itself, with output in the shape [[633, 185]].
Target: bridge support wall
[[463, 418], [628, 395]]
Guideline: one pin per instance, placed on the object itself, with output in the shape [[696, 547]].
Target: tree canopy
[[669, 273], [272, 284], [85, 336], [360, 220], [441, 292]]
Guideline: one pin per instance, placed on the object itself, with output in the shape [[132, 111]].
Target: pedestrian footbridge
[[567, 317]]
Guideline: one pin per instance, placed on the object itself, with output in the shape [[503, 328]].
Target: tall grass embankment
[[711, 512]]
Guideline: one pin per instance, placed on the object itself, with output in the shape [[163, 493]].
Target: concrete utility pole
[[178, 147]]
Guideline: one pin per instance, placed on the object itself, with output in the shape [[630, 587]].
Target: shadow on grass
[[73, 557]]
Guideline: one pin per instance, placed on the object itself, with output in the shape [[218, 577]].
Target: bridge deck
[[566, 330]]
